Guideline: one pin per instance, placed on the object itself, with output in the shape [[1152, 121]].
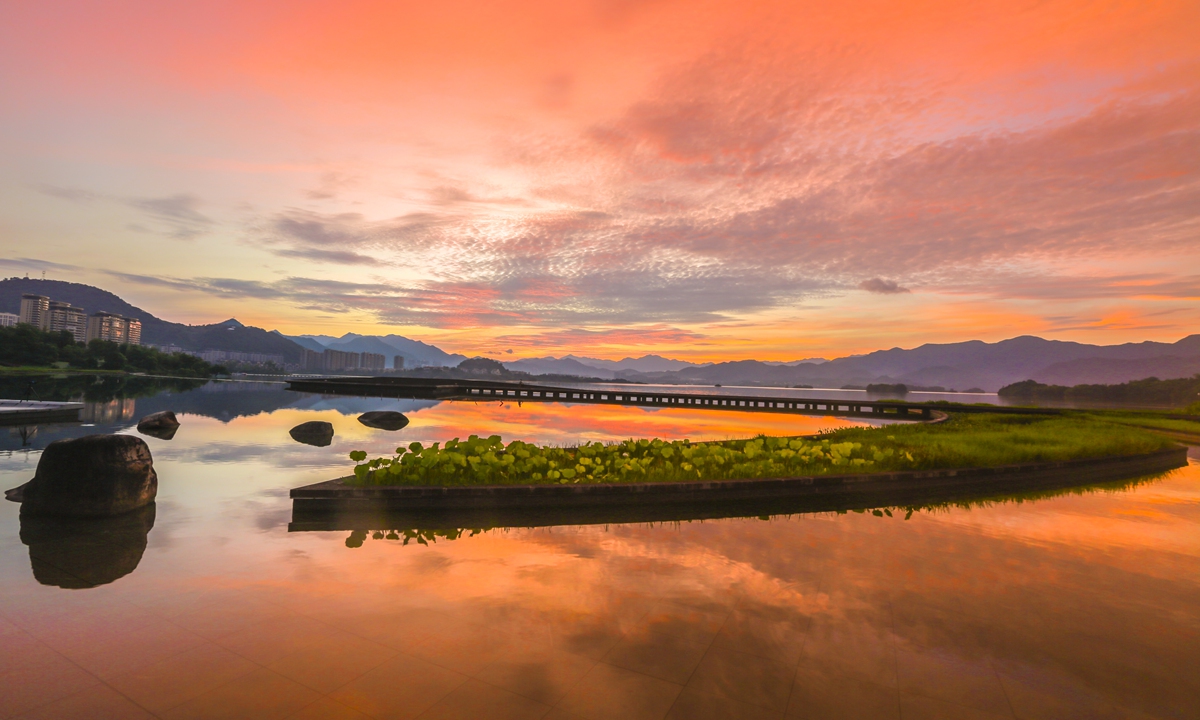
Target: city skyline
[[704, 181]]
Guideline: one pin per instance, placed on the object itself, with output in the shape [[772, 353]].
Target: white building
[[9, 319]]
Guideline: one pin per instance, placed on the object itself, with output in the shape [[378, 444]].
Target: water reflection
[[81, 553], [1077, 605], [111, 411], [162, 433]]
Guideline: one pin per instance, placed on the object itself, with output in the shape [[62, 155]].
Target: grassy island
[[980, 440]]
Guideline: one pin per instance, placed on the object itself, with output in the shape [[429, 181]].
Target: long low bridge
[[635, 395]]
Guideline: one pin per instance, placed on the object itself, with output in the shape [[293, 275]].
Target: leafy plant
[[964, 441]]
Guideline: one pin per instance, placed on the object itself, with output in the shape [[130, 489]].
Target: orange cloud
[[603, 166]]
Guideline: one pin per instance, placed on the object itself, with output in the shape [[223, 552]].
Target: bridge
[[634, 395]]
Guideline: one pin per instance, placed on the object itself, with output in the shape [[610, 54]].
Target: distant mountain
[[953, 365], [1103, 371], [303, 341], [646, 363], [555, 366], [958, 365], [415, 352], [811, 361], [230, 335]]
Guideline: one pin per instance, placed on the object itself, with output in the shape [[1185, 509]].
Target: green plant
[[964, 441]]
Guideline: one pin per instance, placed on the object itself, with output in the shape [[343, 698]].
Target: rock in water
[[86, 552], [313, 433], [383, 420], [91, 476], [158, 421], [161, 425]]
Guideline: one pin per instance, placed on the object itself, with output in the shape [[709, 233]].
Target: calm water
[[1076, 606]]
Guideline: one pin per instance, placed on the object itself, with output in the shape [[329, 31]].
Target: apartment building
[[373, 361], [337, 361], [114, 328], [35, 311], [65, 316]]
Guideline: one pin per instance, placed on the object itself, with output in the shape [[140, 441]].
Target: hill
[[645, 363], [961, 365], [230, 335], [415, 352], [556, 366]]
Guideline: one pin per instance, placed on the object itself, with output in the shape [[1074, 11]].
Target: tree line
[[1150, 391]]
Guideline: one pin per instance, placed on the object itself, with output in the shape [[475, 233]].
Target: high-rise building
[[312, 361], [133, 331], [65, 316], [338, 360], [35, 311], [373, 361], [9, 319], [114, 328], [106, 326], [398, 362]]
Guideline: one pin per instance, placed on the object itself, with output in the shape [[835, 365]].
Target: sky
[[706, 180]]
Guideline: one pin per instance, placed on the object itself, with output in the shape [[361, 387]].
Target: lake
[[1082, 605]]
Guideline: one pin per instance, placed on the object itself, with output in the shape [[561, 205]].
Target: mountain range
[[964, 365], [415, 352], [973, 364]]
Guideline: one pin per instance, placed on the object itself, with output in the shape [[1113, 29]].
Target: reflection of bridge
[[635, 395]]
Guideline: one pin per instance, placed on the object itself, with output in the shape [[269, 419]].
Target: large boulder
[[86, 552], [315, 432], [384, 420], [161, 425], [91, 476]]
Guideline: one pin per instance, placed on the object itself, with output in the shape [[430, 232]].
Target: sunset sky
[[704, 180]]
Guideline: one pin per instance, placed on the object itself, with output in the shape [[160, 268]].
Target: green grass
[[1174, 427], [983, 440]]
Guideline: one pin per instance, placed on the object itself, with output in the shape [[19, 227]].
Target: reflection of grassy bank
[[427, 535], [982, 440], [27, 370], [91, 387]]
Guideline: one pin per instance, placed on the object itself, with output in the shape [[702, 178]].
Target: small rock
[[384, 420], [162, 425], [91, 476], [316, 432]]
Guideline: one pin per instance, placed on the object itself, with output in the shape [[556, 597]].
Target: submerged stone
[[315, 432], [161, 425], [91, 476], [384, 420]]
